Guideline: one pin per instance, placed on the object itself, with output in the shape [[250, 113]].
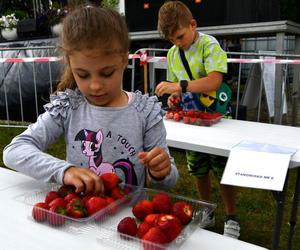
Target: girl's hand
[[157, 161], [84, 180]]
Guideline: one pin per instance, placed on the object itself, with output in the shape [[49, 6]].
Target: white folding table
[[19, 231], [221, 137]]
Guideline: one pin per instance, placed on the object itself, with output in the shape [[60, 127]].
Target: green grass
[[256, 208]]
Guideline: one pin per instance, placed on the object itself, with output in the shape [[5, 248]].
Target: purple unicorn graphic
[[91, 143]]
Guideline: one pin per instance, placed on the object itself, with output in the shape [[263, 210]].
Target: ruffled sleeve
[[149, 107], [63, 101], [155, 133]]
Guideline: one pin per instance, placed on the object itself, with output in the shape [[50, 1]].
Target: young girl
[[105, 128]]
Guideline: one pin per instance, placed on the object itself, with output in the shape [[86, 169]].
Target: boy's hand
[[84, 180], [157, 161], [168, 88]]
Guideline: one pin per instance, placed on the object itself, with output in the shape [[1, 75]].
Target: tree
[[10, 6], [110, 3], [103, 3]]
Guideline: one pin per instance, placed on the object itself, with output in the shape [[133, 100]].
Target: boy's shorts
[[199, 164]]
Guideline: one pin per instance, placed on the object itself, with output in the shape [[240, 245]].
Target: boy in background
[[207, 62]]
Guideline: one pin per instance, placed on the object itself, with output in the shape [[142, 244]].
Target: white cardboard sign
[[257, 165]]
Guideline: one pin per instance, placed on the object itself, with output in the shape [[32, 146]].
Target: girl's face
[[184, 37], [99, 77]]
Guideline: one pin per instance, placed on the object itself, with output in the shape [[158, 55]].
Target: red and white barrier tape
[[144, 59], [234, 60], [29, 59], [134, 56], [263, 60]]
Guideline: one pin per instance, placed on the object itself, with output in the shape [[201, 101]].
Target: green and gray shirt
[[204, 56]]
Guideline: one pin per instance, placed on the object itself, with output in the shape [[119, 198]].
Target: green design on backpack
[[223, 98]]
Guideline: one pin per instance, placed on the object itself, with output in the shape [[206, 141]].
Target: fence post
[[296, 82], [278, 103]]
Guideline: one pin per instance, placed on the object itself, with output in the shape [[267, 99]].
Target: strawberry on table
[[162, 203], [143, 228], [117, 193], [110, 181], [113, 206], [170, 225], [128, 226], [56, 216], [51, 195], [109, 200], [71, 196], [205, 115], [154, 235], [175, 101], [151, 219], [191, 113], [193, 120], [169, 115], [76, 209], [216, 115], [95, 204], [180, 113], [65, 190], [176, 117], [186, 119], [58, 202], [142, 208], [39, 211], [86, 197], [183, 211]]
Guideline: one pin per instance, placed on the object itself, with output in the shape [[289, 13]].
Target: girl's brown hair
[[171, 16], [89, 28]]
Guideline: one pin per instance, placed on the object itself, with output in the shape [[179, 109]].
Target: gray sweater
[[104, 139]]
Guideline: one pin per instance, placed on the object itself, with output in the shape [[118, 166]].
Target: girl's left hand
[[157, 161]]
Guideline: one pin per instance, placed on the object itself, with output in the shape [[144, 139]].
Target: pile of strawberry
[[193, 116], [160, 220], [64, 202]]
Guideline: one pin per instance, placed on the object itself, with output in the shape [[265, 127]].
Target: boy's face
[[184, 37]]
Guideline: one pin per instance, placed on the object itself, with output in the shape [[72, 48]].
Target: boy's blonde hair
[[171, 16], [89, 28]]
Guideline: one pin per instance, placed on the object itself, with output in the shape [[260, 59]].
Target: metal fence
[[28, 75], [272, 78]]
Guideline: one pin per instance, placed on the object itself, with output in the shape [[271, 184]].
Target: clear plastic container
[[108, 234], [65, 222], [198, 118], [208, 122]]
